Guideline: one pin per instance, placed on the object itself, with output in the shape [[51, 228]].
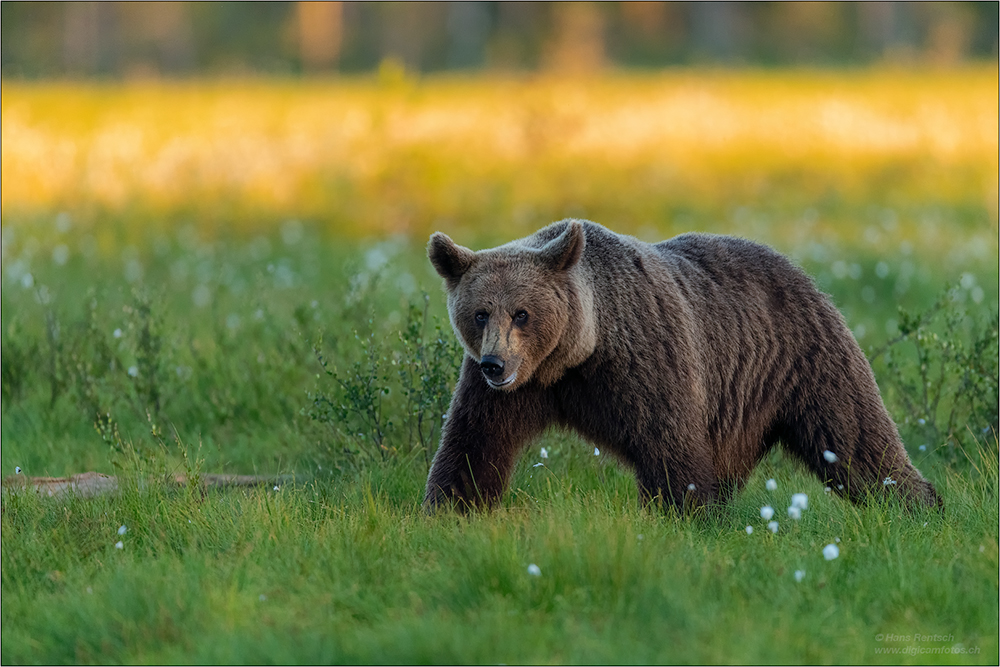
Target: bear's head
[[521, 310]]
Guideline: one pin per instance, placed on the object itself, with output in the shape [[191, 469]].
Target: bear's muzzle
[[493, 368]]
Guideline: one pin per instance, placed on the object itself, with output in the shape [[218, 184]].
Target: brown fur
[[687, 359]]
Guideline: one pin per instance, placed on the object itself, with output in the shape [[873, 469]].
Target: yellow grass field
[[393, 154]]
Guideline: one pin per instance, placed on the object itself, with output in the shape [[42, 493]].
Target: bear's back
[[739, 274], [733, 261]]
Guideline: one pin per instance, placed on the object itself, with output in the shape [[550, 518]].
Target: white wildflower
[[800, 500], [122, 529], [133, 371], [538, 464], [749, 530], [922, 448], [888, 481], [829, 456], [545, 453], [117, 333], [534, 570], [766, 512], [800, 575], [827, 489], [275, 487], [119, 545], [771, 485], [794, 513], [773, 526], [831, 551], [597, 452]]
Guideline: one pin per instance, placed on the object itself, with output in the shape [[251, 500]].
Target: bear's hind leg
[[856, 450]]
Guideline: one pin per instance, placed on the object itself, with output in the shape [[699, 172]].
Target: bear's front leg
[[485, 432]]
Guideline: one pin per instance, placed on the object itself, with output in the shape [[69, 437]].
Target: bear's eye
[[520, 317], [481, 318]]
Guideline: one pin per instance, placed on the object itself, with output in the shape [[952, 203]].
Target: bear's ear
[[450, 260], [564, 251]]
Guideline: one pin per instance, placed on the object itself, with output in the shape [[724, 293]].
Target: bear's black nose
[[492, 366]]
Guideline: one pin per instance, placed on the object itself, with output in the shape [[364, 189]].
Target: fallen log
[[91, 484]]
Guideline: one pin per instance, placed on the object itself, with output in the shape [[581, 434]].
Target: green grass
[[186, 319], [325, 571]]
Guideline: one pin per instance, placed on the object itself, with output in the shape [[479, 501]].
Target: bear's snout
[[494, 369]]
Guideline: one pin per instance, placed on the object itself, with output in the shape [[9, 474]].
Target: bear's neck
[[579, 339]]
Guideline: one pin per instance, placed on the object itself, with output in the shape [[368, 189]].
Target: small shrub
[[427, 364], [356, 410], [941, 375], [385, 414]]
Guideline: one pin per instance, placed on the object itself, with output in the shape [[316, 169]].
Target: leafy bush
[[382, 413], [941, 374]]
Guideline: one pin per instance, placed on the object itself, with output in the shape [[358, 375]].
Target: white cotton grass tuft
[[597, 452], [749, 530], [119, 545], [545, 453], [773, 526], [794, 513], [122, 529], [766, 512], [534, 570], [829, 456], [888, 481], [771, 485], [276, 487], [831, 551], [800, 575], [800, 500], [691, 487]]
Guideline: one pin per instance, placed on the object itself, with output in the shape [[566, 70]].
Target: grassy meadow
[[229, 277]]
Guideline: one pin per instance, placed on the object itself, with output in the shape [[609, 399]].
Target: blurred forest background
[[149, 39]]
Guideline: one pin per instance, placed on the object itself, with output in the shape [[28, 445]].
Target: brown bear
[[686, 359]]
